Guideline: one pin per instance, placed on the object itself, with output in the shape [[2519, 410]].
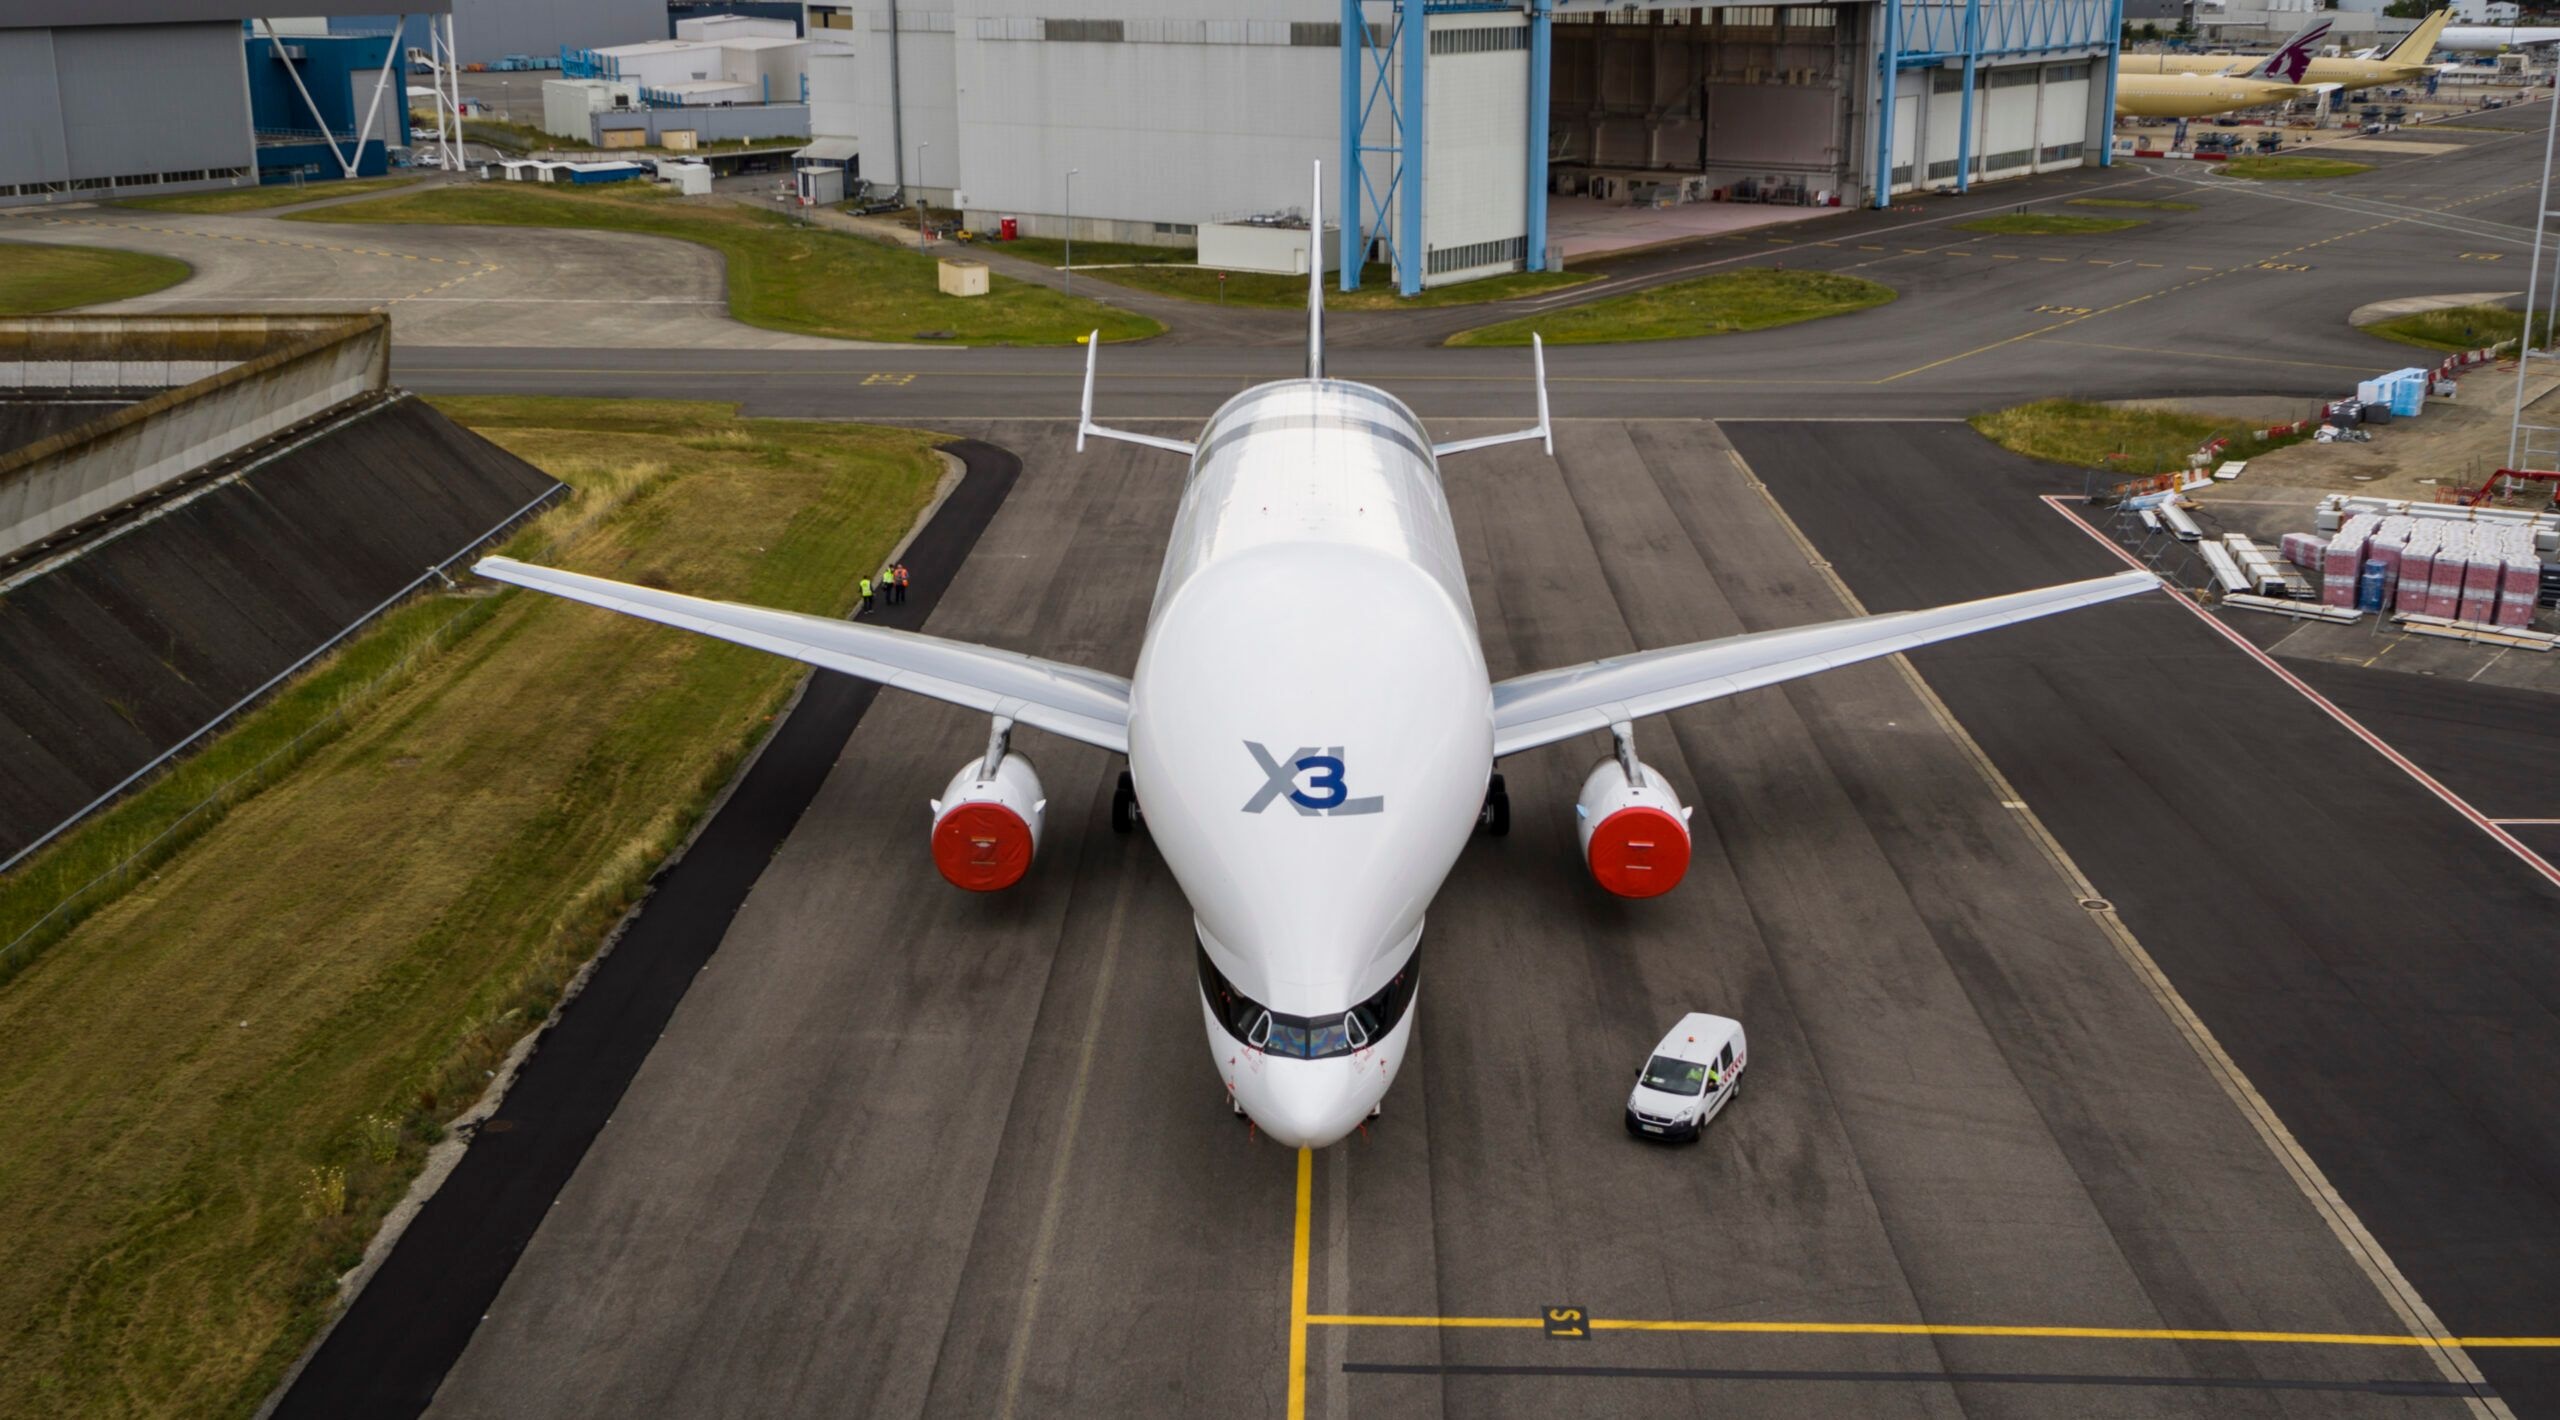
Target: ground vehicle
[[1688, 1080]]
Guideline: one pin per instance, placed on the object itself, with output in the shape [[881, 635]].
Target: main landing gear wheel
[[1124, 809], [1494, 819]]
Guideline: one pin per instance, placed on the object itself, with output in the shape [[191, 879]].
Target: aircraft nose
[[1312, 1113]]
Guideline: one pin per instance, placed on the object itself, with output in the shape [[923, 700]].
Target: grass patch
[[1171, 271], [2147, 204], [256, 199], [1755, 298], [36, 277], [2291, 169], [2459, 328], [2047, 224], [2129, 443], [218, 1083], [782, 275]]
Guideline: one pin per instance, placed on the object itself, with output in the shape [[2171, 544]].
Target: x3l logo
[[1325, 794]]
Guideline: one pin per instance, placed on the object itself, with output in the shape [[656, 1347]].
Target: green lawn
[[1754, 298], [1170, 271], [218, 1082], [2147, 204], [2291, 169], [254, 199], [2130, 443], [782, 275], [2458, 328], [2047, 224], [36, 277]]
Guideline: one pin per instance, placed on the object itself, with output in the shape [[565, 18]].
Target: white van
[[1692, 1075]]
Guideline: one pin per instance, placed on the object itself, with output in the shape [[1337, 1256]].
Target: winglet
[[1315, 277], [1084, 417], [1546, 427]]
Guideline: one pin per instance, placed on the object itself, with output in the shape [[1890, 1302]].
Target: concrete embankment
[[159, 623]]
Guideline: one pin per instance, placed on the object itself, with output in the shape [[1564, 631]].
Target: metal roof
[[830, 150], [73, 14]]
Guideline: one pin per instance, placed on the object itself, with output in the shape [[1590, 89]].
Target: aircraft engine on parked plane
[[986, 826], [1635, 834]]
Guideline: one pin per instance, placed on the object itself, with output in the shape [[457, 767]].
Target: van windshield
[[1675, 1077]]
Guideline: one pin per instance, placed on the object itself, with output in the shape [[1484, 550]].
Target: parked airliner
[[1311, 732]]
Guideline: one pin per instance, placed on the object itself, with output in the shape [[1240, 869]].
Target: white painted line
[[2353, 726]]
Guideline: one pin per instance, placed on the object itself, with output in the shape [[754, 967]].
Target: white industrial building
[[735, 67], [1173, 113]]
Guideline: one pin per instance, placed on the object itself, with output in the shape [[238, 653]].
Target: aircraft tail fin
[[1315, 276], [2291, 61], [2421, 41]]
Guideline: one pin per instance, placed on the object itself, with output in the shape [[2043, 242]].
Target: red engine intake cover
[[984, 847], [1638, 852]]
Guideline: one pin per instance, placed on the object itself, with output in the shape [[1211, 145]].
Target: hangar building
[[1450, 127], [156, 96]]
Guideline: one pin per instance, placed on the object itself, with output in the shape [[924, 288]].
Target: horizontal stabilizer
[[1085, 424], [1544, 432]]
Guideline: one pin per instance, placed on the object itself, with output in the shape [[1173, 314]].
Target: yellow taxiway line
[[1298, 1318], [1891, 1328]]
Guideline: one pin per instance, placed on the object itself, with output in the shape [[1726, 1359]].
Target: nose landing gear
[[1494, 819]]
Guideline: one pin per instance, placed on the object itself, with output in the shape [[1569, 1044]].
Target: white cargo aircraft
[[1311, 730]]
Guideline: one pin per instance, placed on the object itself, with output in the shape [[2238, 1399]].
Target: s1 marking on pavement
[[2060, 310], [1568, 1324], [884, 377], [2281, 266]]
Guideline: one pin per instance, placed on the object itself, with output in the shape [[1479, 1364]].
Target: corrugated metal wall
[[1177, 113], [31, 147], [121, 101]]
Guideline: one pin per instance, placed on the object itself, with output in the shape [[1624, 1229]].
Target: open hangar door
[[1739, 103]]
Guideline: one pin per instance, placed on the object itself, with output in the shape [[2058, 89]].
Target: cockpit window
[[1674, 1077], [1307, 1037]]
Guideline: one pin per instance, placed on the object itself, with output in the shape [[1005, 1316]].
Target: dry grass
[[214, 1087]]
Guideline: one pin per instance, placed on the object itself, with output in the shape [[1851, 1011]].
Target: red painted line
[[2354, 727]]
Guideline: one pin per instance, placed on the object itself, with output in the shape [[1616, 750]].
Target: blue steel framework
[[1382, 71], [1930, 34]]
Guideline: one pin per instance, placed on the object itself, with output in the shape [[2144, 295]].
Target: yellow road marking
[[1893, 1328], [1298, 1318], [2152, 264], [2002, 256]]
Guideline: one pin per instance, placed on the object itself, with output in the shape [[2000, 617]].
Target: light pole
[[1071, 229], [923, 238]]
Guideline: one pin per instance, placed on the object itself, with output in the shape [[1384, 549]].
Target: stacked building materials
[[2518, 588], [2417, 567], [2342, 562], [2303, 550]]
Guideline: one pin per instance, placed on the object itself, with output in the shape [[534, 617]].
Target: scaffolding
[[1382, 78]]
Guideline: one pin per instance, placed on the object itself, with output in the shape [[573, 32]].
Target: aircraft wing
[[1540, 709], [1086, 705]]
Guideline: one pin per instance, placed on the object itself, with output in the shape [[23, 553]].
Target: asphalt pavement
[[904, 1150], [2062, 1001]]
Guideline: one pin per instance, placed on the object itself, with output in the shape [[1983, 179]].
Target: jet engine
[[986, 825], [1635, 834]]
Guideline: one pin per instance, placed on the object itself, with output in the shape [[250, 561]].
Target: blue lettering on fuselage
[[1327, 793]]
